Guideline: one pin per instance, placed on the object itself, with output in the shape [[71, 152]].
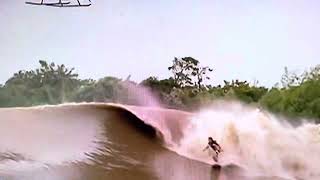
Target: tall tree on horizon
[[188, 72]]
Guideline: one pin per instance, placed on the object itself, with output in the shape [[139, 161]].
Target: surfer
[[215, 146]]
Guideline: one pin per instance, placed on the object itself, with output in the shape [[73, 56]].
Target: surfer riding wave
[[215, 146]]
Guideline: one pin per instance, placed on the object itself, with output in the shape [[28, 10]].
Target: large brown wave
[[118, 137], [48, 135]]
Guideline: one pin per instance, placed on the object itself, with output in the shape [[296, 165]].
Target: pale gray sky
[[243, 39]]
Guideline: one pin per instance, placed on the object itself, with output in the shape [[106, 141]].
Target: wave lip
[[169, 123]]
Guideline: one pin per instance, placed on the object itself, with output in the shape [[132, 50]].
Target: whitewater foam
[[255, 139]]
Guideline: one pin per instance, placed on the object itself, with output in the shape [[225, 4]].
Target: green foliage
[[187, 72], [48, 84], [164, 85], [106, 89], [290, 79], [168, 90], [299, 95], [296, 100], [243, 91], [272, 100]]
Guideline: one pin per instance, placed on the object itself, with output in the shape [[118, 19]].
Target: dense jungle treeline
[[296, 95]]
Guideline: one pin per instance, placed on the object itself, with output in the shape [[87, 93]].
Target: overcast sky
[[244, 39]]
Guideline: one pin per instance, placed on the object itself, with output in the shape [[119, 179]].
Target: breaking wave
[[257, 141]]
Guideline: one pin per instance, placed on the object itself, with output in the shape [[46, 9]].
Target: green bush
[[54, 84]]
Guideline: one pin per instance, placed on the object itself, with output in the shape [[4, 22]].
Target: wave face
[[91, 141], [98, 140]]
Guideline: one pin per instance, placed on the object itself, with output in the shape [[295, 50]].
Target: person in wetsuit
[[215, 146]]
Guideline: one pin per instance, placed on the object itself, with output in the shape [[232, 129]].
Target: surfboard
[[216, 166], [227, 165]]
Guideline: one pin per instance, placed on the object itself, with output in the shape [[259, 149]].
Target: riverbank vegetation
[[188, 88]]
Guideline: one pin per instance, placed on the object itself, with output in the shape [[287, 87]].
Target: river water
[[112, 141]]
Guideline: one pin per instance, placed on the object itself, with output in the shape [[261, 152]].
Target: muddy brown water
[[97, 141]]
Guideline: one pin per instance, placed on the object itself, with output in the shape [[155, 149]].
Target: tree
[[290, 79], [164, 85], [107, 89], [313, 74], [49, 84], [200, 73], [300, 97], [188, 72]]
